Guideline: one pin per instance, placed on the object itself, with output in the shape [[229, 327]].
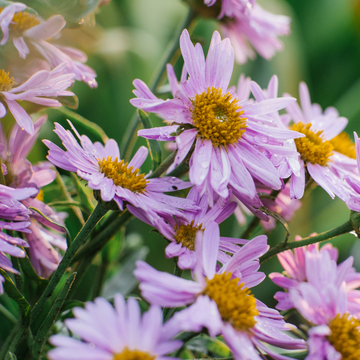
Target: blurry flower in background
[[118, 333], [25, 28], [40, 88]]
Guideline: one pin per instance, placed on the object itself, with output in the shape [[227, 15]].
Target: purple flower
[[118, 332], [248, 25], [314, 266], [116, 180], [40, 88], [230, 147], [28, 28], [181, 231], [219, 298], [326, 151]]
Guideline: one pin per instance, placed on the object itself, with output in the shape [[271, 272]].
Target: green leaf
[[30, 272], [70, 101], [73, 10], [155, 151], [12, 356], [81, 190], [44, 330], [206, 345]]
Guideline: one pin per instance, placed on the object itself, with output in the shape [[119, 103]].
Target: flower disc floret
[[186, 234], [21, 22], [345, 336], [127, 354], [217, 117], [313, 148], [6, 82], [235, 302], [122, 175], [343, 145]]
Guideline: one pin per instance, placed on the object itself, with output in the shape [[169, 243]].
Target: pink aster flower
[[25, 28], [223, 128], [40, 88], [249, 26], [335, 333], [116, 180], [326, 151], [219, 298], [312, 265], [181, 231], [120, 332]]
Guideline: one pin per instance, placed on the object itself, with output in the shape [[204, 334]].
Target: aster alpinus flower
[[323, 302], [120, 333], [25, 28], [116, 180], [326, 150], [249, 26], [219, 126], [219, 298], [311, 265], [181, 231], [40, 88]]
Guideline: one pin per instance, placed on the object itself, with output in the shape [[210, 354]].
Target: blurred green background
[[127, 43]]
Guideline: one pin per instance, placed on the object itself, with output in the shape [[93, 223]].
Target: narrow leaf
[[154, 147], [80, 188], [44, 330]]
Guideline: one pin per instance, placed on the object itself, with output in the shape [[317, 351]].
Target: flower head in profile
[[219, 299], [326, 151], [116, 179], [119, 333], [25, 28], [41, 88], [230, 147], [181, 231], [12, 209]]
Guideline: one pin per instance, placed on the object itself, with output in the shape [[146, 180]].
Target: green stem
[[163, 166], [103, 237], [130, 131], [90, 224], [340, 230], [8, 314]]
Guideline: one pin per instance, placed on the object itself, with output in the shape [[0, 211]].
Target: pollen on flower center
[[217, 117], [186, 234], [312, 148], [343, 144], [345, 336], [235, 302], [21, 22], [122, 175], [127, 354], [6, 82]]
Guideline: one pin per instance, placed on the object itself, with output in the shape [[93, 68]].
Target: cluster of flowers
[[237, 149], [42, 81]]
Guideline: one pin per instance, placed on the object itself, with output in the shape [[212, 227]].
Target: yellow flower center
[[40, 196], [21, 22], [185, 234], [345, 336], [343, 144], [217, 117], [313, 148], [6, 82], [236, 304], [122, 175], [127, 354]]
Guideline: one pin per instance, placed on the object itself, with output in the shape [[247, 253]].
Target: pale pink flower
[[41, 88], [32, 30]]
